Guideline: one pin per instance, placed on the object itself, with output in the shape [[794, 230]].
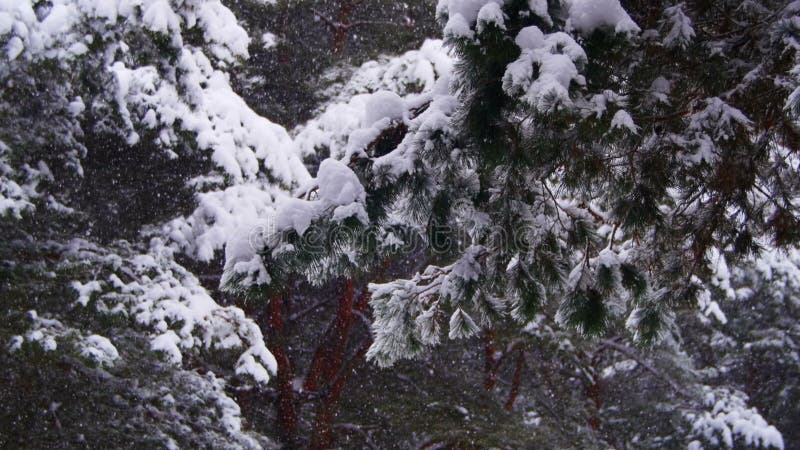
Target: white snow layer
[[166, 99], [490, 14], [269, 40], [339, 190], [241, 142], [622, 120], [558, 58], [680, 32], [99, 349], [383, 105], [410, 76], [466, 17], [463, 14], [338, 185], [33, 37], [339, 194], [730, 418], [588, 15], [220, 214], [169, 303], [14, 198], [197, 98]]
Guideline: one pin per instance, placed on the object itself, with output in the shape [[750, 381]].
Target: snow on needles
[[382, 89], [465, 18], [462, 14], [680, 32], [339, 195], [238, 138], [340, 187], [548, 64], [241, 217], [338, 190], [588, 15], [32, 37], [164, 99], [14, 197], [195, 96], [168, 301], [731, 420], [218, 215], [558, 58], [383, 105]]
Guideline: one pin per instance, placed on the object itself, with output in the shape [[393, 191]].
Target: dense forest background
[[143, 144]]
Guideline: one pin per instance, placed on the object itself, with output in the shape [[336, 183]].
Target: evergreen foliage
[[586, 158], [551, 174]]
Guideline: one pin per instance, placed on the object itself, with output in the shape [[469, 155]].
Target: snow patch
[[490, 14], [557, 57], [623, 121], [383, 105], [589, 15], [100, 350]]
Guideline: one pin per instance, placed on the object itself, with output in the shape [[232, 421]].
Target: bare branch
[[372, 22], [330, 23], [630, 353], [307, 310]]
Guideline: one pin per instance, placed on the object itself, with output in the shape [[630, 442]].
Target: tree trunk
[[517, 380], [490, 362], [327, 359], [322, 434], [286, 403]]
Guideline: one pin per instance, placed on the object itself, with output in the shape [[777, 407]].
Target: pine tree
[[608, 155], [581, 154], [109, 109], [583, 165]]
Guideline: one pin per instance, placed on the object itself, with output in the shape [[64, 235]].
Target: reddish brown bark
[[593, 392], [329, 371], [286, 402], [517, 380], [339, 38], [363, 302], [322, 434], [327, 359], [340, 25], [490, 362], [340, 32]]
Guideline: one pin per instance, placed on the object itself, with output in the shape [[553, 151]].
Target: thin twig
[[632, 354], [307, 310]]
